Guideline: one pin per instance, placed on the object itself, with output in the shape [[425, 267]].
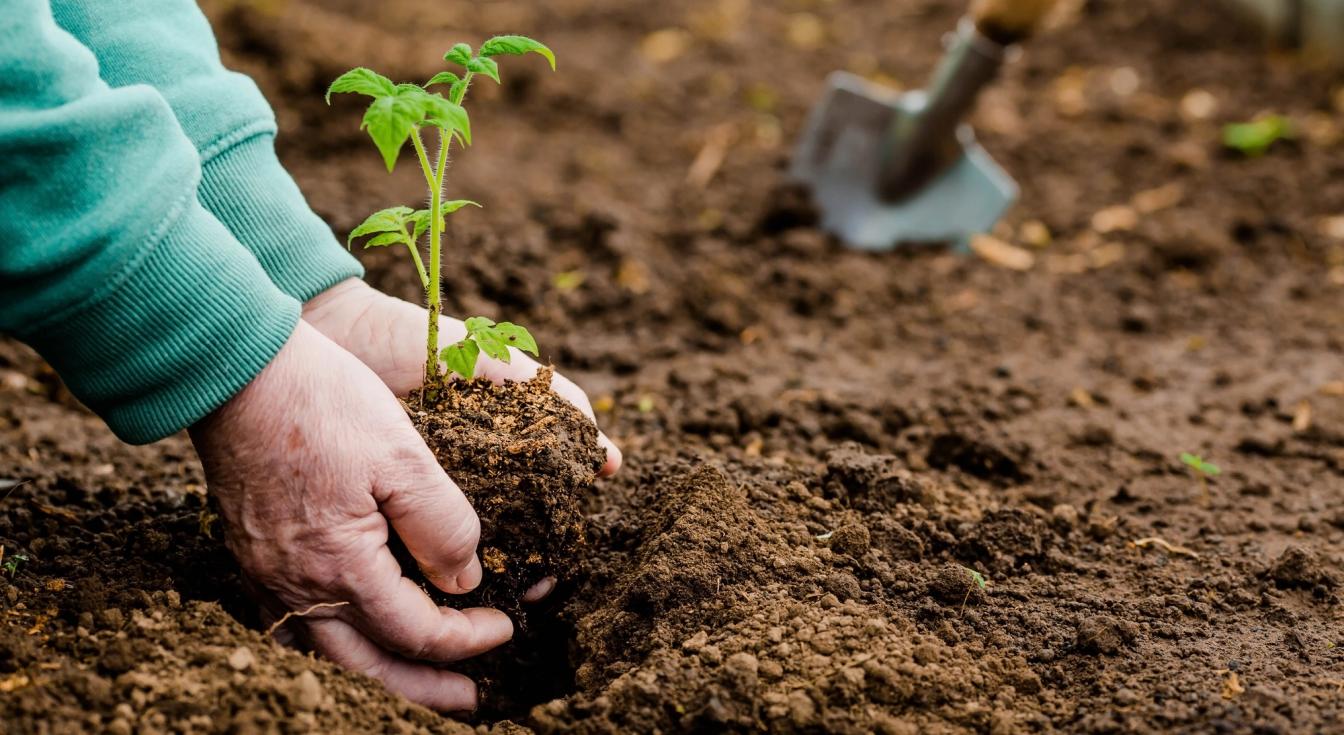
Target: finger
[[539, 591], [614, 457], [441, 690], [432, 517], [398, 615]]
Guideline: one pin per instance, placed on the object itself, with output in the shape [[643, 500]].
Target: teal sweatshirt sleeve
[[168, 45], [141, 300]]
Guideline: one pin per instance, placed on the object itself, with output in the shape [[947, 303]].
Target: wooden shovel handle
[[1009, 21]]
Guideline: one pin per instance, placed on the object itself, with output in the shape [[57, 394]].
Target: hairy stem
[[431, 277], [413, 246]]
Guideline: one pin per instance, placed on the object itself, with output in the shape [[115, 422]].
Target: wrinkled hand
[[310, 463], [388, 334]]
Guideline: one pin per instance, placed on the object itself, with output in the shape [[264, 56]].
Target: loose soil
[[524, 457], [819, 443]]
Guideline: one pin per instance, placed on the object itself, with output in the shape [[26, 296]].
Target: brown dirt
[[819, 442], [525, 458]]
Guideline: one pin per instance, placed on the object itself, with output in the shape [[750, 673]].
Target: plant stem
[[435, 251], [419, 264]]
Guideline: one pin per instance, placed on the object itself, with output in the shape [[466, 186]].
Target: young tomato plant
[[401, 112], [1203, 470]]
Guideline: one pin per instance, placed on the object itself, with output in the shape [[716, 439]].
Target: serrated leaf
[[461, 358], [493, 344], [516, 46], [387, 238], [392, 219], [390, 121], [448, 116], [361, 81], [419, 222], [488, 67], [443, 77], [459, 54], [477, 323], [456, 204], [517, 336]]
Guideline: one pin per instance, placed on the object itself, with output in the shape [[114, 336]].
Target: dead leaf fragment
[[1232, 686], [1081, 398], [1115, 218], [1198, 104], [806, 32], [1302, 417], [1001, 253], [1170, 548], [665, 45], [1158, 198]]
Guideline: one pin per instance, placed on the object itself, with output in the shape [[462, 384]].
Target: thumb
[[433, 518]]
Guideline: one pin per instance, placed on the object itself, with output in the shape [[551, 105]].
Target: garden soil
[[821, 444]]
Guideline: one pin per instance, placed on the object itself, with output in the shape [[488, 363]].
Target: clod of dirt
[[852, 539], [1104, 635], [1298, 568], [954, 584], [524, 457], [872, 482]]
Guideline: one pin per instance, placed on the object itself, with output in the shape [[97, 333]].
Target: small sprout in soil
[[1203, 470], [977, 581], [11, 565], [1255, 137], [486, 336], [400, 112]]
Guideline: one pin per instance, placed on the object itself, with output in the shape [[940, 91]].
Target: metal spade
[[888, 168]]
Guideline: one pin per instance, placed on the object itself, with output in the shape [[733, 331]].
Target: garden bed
[[820, 444]]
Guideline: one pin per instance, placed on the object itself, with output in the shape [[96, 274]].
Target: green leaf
[[1200, 465], [447, 116], [361, 81], [1255, 137], [516, 46], [461, 358], [456, 204], [488, 67], [457, 90], [459, 54], [387, 238], [392, 219], [390, 121], [443, 77], [517, 336], [420, 221], [477, 323]]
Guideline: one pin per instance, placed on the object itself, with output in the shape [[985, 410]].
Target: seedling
[[1203, 470], [1255, 137], [401, 112], [977, 580], [11, 565]]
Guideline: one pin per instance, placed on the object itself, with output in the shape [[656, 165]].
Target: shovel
[[888, 169]]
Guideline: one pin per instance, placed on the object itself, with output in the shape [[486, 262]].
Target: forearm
[[168, 45], [109, 266]]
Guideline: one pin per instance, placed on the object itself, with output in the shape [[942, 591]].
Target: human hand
[[310, 463], [388, 334]]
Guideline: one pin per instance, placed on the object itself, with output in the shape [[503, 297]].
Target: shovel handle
[[1009, 21]]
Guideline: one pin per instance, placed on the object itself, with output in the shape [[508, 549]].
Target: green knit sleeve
[[142, 301], [168, 45]]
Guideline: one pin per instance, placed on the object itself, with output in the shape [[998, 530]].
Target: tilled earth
[[821, 445]]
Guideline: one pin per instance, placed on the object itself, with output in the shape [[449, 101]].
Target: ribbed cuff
[[245, 186], [187, 325]]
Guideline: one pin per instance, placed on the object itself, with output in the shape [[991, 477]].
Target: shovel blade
[[840, 156]]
